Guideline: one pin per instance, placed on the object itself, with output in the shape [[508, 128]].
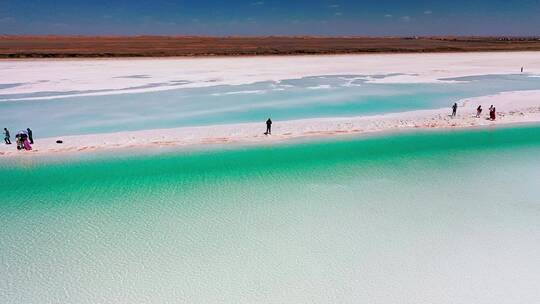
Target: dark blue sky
[[270, 17]]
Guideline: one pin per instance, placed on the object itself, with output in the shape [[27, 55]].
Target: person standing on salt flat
[[492, 112], [7, 139], [30, 136], [521, 69], [478, 111], [454, 109], [268, 127]]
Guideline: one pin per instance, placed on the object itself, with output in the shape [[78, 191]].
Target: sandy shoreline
[[512, 108]]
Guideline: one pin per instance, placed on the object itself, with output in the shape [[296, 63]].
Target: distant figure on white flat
[[454, 109], [521, 69], [30, 136], [268, 127], [492, 113], [7, 139], [478, 111]]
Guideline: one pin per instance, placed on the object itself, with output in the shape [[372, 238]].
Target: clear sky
[[270, 17]]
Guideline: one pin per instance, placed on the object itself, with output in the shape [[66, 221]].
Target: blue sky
[[270, 17]]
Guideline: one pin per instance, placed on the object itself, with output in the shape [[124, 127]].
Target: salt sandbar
[[512, 108]]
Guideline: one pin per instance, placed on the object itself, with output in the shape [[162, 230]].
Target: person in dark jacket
[[268, 127], [30, 138], [7, 139], [478, 111], [454, 110]]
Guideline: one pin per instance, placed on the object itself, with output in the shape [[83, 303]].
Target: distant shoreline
[[28, 47]]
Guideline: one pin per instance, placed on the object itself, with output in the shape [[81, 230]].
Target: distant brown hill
[[164, 46]]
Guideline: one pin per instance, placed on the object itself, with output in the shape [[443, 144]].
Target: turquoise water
[[434, 217], [311, 97]]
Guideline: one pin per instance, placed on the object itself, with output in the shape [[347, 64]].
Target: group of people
[[24, 139], [492, 111], [492, 116]]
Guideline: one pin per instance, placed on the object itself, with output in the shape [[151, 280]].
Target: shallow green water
[[448, 217]]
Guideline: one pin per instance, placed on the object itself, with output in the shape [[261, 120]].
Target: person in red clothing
[[492, 112]]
